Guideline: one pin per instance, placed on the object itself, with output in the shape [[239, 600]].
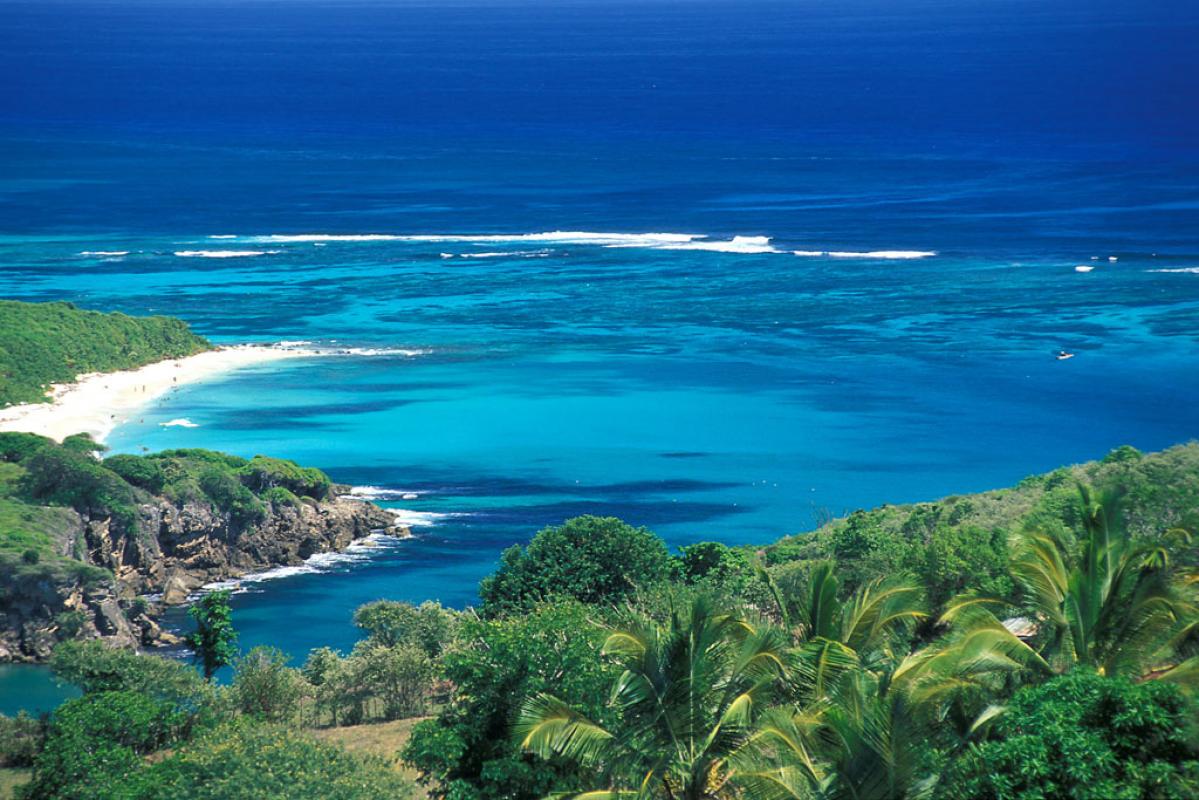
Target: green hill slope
[[46, 343]]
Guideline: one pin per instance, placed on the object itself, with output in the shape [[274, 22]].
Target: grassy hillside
[[46, 343]]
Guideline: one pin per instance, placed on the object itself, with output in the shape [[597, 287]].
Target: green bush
[[265, 687], [57, 476], [31, 556], [245, 760], [279, 496], [21, 738], [1084, 737], [70, 623], [400, 677], [84, 444], [592, 559], [144, 473], [97, 667], [96, 741], [230, 496], [263, 474], [389, 623], [468, 750], [16, 447]]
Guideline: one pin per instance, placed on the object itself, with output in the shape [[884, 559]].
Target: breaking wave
[[223, 253], [361, 550]]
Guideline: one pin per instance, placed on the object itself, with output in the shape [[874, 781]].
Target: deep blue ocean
[[942, 169]]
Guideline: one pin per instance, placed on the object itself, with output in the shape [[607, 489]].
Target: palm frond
[[547, 727]]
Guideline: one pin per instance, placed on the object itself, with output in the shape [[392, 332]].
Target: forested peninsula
[[1040, 641]]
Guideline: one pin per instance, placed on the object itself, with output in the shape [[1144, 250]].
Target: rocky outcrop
[[170, 553]]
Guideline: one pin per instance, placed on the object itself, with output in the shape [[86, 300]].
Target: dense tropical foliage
[[46, 343], [1037, 642]]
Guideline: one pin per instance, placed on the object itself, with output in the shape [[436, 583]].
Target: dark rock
[[173, 551]]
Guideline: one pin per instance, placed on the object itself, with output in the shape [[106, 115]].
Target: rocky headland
[[98, 548]]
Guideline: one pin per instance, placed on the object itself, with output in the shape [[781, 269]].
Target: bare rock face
[[172, 552]]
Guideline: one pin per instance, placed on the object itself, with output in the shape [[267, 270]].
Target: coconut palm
[[866, 739], [687, 703], [835, 635], [1108, 601]]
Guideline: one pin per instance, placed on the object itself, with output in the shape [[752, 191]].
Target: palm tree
[[866, 708], [834, 636], [687, 703], [1107, 602]]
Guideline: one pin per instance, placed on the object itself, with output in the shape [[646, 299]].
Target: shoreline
[[97, 402]]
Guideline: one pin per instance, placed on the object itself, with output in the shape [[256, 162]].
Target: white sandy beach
[[98, 402]]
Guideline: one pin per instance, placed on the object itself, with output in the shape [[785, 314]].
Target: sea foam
[[563, 237], [223, 253], [381, 351], [882, 254], [361, 550], [738, 244], [326, 237], [503, 254], [1178, 270], [105, 253]]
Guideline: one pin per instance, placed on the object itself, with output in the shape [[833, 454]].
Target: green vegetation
[[46, 343], [1086, 737], [11, 780], [687, 702], [41, 480], [21, 739], [1036, 642], [427, 626], [243, 760], [592, 559], [214, 640], [467, 751]]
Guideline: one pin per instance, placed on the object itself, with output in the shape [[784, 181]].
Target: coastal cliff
[[96, 555]]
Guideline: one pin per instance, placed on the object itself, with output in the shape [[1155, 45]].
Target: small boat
[[1062, 355], [1083, 268]]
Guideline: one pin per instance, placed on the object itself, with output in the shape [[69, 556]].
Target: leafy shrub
[[97, 667], [144, 473], [70, 623], [468, 750], [230, 496], [401, 677], [58, 476], [389, 623], [21, 738], [84, 444], [31, 556], [264, 687], [1084, 737], [246, 760], [279, 496], [263, 473], [97, 740], [592, 559], [16, 447]]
